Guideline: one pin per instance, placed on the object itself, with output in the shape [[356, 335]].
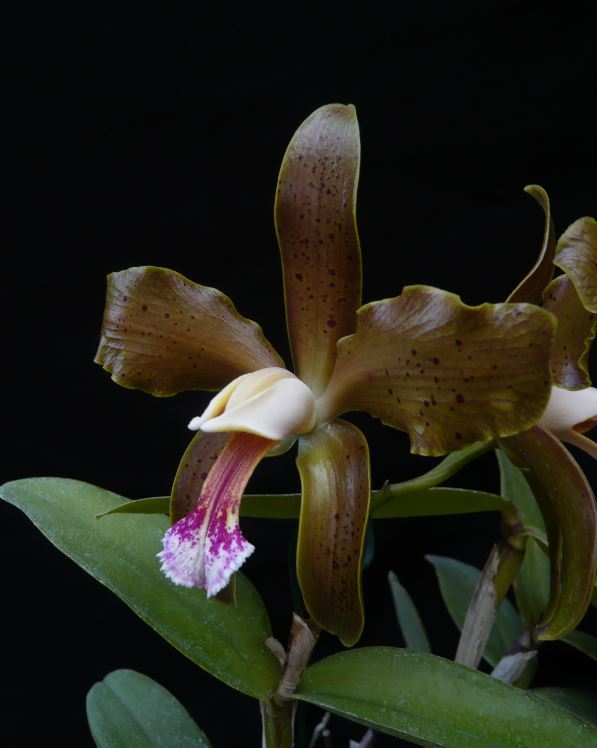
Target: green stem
[[278, 724]]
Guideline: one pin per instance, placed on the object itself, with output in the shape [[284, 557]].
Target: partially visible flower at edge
[[562, 491], [424, 362]]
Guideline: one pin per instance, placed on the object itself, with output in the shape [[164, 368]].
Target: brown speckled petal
[[316, 227], [197, 461], [576, 255], [163, 334], [568, 508], [531, 287], [333, 463], [447, 373], [575, 333]]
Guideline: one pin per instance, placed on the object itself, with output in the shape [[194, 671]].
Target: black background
[[172, 161]]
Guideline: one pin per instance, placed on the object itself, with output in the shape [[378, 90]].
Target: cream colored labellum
[[272, 403], [569, 414], [570, 410]]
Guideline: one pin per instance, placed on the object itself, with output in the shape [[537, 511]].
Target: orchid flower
[[572, 298], [424, 362], [560, 486]]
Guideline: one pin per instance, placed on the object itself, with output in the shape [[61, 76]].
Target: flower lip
[[271, 402], [570, 410]]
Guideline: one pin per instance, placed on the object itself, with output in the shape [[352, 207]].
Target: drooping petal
[[162, 334], [316, 227], [333, 463], [447, 373], [575, 333], [531, 287], [272, 403], [568, 508], [576, 255], [206, 547], [194, 467]]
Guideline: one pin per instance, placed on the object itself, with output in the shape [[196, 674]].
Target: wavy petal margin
[[163, 334], [576, 255], [317, 233], [531, 287], [333, 463], [206, 547], [574, 336], [447, 373], [568, 508]]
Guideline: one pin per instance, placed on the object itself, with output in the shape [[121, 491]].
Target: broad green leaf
[[439, 501], [583, 704], [568, 508], [317, 233], [457, 583], [271, 506], [120, 552], [586, 643], [428, 503], [435, 702], [447, 373], [410, 622], [576, 329], [162, 334], [531, 288], [514, 488], [132, 710], [531, 585], [576, 255], [333, 463], [152, 505]]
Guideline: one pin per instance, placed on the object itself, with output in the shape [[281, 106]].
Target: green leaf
[[435, 702], [582, 704], [120, 552], [425, 503], [440, 501], [409, 620], [271, 506], [585, 643], [152, 505], [514, 488], [532, 582], [132, 710], [457, 583], [531, 586], [447, 373]]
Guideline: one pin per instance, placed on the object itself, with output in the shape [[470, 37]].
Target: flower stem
[[497, 575], [278, 714], [278, 724]]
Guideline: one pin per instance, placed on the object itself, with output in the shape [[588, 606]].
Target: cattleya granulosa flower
[[561, 488], [424, 362]]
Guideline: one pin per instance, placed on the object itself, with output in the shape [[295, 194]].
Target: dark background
[[173, 162]]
